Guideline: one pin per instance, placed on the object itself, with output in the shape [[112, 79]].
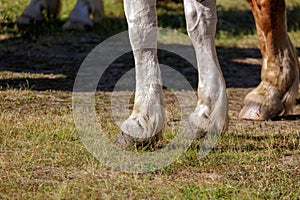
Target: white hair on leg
[[147, 118], [211, 111]]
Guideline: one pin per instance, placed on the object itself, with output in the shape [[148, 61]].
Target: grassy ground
[[235, 26], [42, 156]]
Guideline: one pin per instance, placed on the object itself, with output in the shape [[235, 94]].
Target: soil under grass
[[42, 156]]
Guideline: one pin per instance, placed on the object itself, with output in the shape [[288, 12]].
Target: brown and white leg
[[147, 118], [211, 111], [85, 14], [277, 92], [34, 11]]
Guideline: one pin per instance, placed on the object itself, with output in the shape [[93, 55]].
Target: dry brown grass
[[42, 156]]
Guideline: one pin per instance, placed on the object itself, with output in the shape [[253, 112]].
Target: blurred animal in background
[[84, 14]]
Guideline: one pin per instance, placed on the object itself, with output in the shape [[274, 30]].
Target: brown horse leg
[[276, 93]]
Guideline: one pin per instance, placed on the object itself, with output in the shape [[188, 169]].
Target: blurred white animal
[[85, 13]]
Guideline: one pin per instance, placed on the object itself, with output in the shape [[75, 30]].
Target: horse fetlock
[[146, 120], [142, 127], [199, 121]]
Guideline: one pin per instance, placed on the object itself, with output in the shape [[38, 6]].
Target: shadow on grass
[[288, 117], [64, 58], [47, 49], [234, 22]]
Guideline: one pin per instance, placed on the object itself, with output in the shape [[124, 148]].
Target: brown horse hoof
[[254, 111], [258, 111], [263, 103]]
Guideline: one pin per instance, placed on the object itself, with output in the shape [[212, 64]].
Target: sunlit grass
[[42, 156]]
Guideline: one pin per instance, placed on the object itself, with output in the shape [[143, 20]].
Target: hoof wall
[[254, 111], [127, 142]]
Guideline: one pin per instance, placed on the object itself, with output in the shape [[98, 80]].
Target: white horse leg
[[84, 14], [147, 118], [34, 11], [211, 110]]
